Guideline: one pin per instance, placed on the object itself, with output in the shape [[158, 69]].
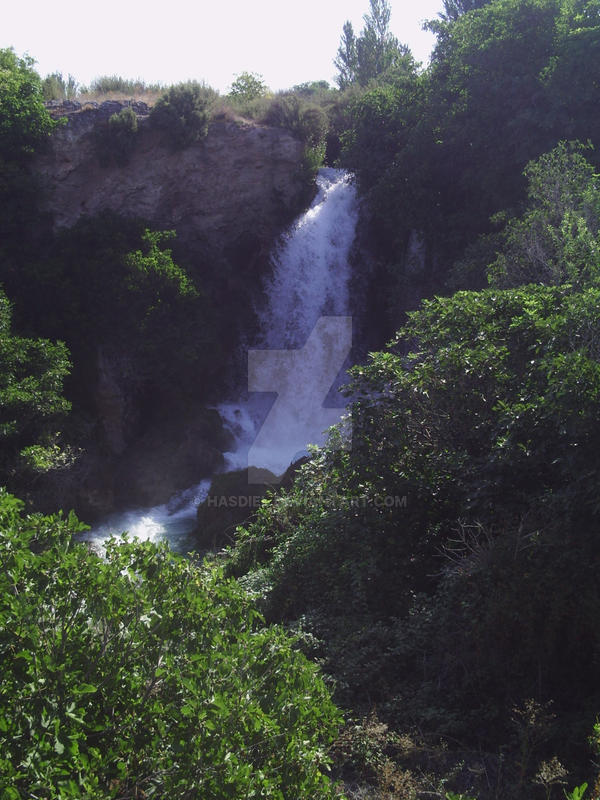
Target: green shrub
[[251, 109], [115, 141], [307, 122], [32, 372], [557, 237], [55, 87], [111, 84], [24, 122], [183, 113], [141, 674], [111, 280]]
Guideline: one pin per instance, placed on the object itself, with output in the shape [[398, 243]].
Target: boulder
[[232, 500]]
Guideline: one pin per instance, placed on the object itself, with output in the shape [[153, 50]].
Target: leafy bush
[[307, 122], [55, 87], [143, 674], [556, 239], [115, 142], [118, 281], [32, 372], [25, 128], [24, 122], [183, 113]]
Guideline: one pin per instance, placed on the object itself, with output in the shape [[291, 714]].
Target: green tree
[[32, 372], [509, 78], [24, 121], [55, 87], [247, 86], [346, 61], [557, 238], [159, 677], [376, 48], [572, 74], [110, 280], [25, 127], [375, 51], [453, 9]]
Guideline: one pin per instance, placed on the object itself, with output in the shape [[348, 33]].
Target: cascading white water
[[310, 280], [173, 521], [311, 273]]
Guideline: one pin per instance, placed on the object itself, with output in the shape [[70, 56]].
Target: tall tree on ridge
[[453, 9], [346, 61], [376, 49]]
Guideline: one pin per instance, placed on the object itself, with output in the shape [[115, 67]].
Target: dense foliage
[[24, 121], [141, 674], [109, 281], [436, 154], [183, 113], [25, 126], [442, 562], [32, 372], [445, 559]]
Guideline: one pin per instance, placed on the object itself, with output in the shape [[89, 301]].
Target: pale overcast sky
[[286, 42]]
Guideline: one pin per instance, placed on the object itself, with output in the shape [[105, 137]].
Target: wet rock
[[233, 499]]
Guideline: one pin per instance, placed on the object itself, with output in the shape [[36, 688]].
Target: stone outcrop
[[232, 191], [233, 499]]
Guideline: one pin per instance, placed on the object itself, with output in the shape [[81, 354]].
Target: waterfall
[[311, 271], [305, 335]]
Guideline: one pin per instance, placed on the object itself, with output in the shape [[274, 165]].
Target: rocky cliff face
[[239, 185], [227, 197]]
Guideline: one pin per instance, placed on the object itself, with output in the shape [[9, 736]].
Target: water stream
[[305, 335]]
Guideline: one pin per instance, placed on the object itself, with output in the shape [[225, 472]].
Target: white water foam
[[310, 281], [311, 273], [172, 521]]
